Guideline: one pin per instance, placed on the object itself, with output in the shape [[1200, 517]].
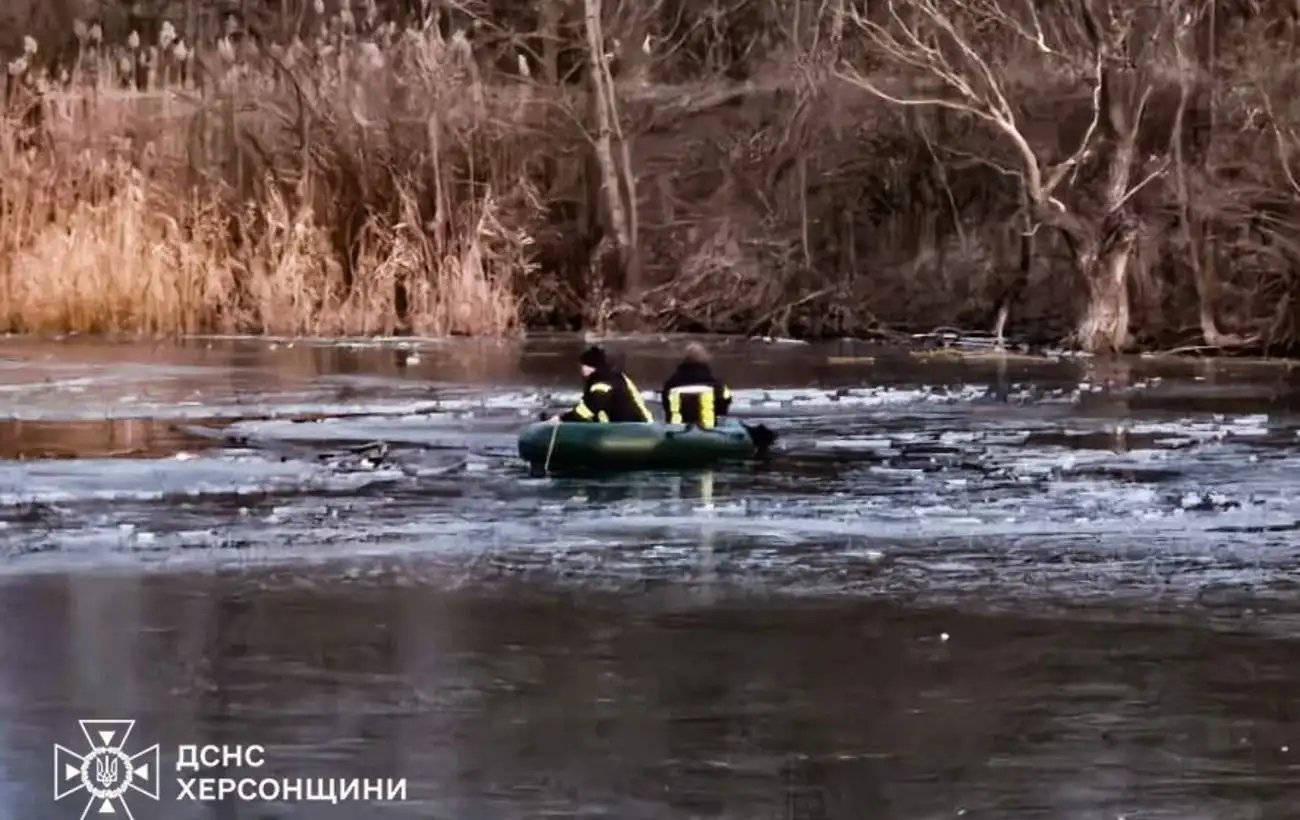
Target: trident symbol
[[106, 770]]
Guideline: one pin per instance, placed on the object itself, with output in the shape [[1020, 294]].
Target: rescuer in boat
[[693, 395], [608, 395]]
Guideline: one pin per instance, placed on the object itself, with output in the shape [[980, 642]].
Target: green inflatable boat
[[592, 447]]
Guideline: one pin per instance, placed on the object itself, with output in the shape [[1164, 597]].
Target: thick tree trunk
[[1104, 325]]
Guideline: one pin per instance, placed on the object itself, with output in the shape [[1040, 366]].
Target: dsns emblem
[[106, 771]]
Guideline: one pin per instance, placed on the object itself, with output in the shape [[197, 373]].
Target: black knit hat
[[594, 357]]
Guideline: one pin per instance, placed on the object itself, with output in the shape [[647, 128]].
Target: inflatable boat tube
[[587, 446]]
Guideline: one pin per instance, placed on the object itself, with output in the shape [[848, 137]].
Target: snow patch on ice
[[421, 431], [62, 482], [1213, 428], [1092, 516], [854, 444], [858, 397], [262, 407]]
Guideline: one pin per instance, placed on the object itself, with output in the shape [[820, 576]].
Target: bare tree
[[612, 150], [963, 55], [1187, 18]]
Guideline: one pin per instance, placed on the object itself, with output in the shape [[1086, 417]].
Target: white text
[[289, 789]]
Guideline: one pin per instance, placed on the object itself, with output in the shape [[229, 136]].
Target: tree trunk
[[631, 250], [602, 97], [550, 15], [1200, 245], [1010, 287], [1103, 328]]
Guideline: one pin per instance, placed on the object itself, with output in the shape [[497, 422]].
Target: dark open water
[[1059, 590]]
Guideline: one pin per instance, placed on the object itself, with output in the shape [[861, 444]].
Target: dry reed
[[342, 185]]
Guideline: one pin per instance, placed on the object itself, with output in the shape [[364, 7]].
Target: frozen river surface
[[1054, 589]]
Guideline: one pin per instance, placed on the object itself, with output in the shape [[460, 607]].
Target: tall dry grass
[[345, 184]]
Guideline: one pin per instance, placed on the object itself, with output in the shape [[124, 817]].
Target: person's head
[[592, 360], [696, 354]]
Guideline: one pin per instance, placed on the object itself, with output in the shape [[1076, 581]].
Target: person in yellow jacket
[[693, 395], [608, 394]]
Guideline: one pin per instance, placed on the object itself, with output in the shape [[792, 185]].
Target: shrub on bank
[[342, 185]]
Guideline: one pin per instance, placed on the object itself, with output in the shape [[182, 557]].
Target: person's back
[[608, 394], [692, 394]]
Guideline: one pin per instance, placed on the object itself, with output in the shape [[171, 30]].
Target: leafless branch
[[1081, 154], [936, 39], [1283, 152], [1133, 191], [947, 188]]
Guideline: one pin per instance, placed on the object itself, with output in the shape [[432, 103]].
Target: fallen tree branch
[[767, 317]]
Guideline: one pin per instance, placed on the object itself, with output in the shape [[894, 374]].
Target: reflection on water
[[113, 438], [520, 700]]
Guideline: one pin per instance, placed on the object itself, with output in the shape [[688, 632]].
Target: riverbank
[[373, 177]]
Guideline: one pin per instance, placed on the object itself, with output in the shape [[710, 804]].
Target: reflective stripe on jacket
[[693, 395], [610, 398]]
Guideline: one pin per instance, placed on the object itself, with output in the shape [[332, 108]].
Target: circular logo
[[106, 773]]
